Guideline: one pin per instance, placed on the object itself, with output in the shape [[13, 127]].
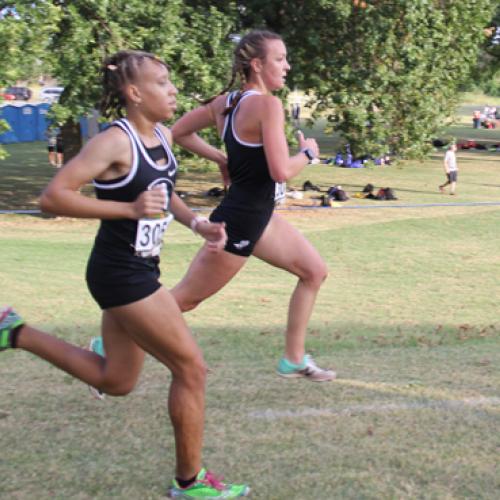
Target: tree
[[25, 30], [487, 72], [387, 73], [73, 37], [194, 42]]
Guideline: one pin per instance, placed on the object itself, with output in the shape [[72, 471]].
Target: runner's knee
[[188, 304], [315, 273], [192, 372], [184, 301]]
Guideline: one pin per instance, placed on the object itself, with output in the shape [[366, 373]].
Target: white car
[[51, 94]]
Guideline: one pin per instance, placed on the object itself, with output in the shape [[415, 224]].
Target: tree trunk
[[72, 139]]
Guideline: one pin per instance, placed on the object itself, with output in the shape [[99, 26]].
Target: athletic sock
[[14, 335], [296, 366], [184, 483]]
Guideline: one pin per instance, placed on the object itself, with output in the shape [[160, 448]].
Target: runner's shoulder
[[266, 103], [166, 132]]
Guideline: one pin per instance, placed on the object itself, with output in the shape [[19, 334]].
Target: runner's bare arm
[[214, 233], [99, 158], [282, 166], [184, 134]]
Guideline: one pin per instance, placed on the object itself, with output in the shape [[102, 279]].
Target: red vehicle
[[8, 97], [17, 93]]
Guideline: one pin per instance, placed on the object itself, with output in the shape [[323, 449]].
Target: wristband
[[309, 153], [195, 221]]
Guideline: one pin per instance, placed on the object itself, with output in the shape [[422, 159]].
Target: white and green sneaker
[[307, 369], [96, 345], [207, 486], [10, 321]]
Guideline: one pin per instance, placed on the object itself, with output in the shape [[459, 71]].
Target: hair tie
[[112, 67]]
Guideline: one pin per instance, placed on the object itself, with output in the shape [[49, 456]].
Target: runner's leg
[[157, 325], [116, 374], [206, 275], [285, 247]]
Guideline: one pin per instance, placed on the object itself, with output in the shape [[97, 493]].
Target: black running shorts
[[244, 226], [120, 279]]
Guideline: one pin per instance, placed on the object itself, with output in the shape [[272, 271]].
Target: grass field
[[408, 317]]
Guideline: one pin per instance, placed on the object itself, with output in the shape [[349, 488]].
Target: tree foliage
[[487, 72], [72, 37], [193, 42], [387, 73], [25, 31]]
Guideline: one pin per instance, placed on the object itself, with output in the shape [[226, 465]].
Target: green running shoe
[[307, 369], [97, 345], [9, 321], [207, 486]]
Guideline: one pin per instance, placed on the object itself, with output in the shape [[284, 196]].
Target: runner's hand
[[307, 143], [149, 203], [214, 233]]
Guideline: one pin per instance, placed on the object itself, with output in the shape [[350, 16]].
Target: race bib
[[279, 191], [149, 236]]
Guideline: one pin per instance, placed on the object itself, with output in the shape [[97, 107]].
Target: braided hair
[[251, 46], [119, 69]]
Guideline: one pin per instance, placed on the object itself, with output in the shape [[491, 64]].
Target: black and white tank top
[[144, 174], [251, 182]]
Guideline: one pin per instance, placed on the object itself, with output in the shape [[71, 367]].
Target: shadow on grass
[[463, 159], [26, 171], [241, 341], [350, 336], [23, 175]]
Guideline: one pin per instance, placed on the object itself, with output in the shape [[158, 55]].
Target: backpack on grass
[[337, 193], [385, 194]]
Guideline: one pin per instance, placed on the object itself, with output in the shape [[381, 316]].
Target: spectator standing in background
[[451, 169]]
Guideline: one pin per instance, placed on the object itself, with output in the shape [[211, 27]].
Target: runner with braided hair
[[133, 171], [251, 123]]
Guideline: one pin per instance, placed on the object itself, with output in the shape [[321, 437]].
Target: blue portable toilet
[[27, 130], [9, 114], [29, 123]]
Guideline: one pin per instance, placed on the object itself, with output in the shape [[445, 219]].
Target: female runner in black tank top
[[251, 123], [128, 162]]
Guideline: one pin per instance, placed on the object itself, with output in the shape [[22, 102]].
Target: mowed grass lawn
[[408, 317]]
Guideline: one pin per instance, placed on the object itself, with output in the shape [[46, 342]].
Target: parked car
[[51, 94], [19, 93], [8, 97]]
